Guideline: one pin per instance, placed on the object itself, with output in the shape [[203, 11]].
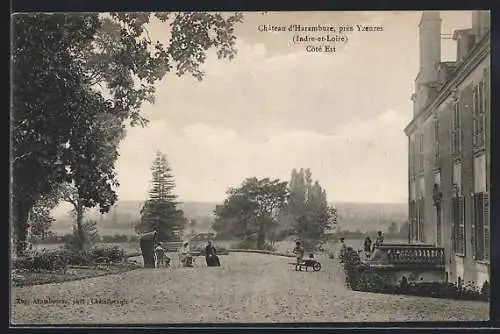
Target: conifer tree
[[160, 212]]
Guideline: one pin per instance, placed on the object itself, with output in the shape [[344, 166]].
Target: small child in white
[[160, 256]]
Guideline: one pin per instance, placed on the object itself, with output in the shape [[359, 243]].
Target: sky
[[276, 107]]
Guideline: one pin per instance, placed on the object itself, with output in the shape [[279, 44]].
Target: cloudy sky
[[276, 107]]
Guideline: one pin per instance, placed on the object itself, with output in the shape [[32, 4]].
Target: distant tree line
[[393, 232]]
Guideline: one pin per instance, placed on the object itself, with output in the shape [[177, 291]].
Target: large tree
[[160, 212], [249, 213], [307, 212], [73, 72]]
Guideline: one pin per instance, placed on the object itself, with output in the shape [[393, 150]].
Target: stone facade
[[449, 155]]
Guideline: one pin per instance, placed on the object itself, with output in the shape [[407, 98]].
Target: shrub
[[353, 268], [113, 254], [78, 258], [107, 238], [23, 263], [44, 260]]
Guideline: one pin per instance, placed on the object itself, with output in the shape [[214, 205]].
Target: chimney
[[430, 57], [465, 39], [480, 23], [484, 17], [430, 45], [476, 24]]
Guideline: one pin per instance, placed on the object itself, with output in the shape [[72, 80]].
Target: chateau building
[[449, 148]]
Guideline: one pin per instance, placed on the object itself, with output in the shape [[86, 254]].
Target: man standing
[[211, 255], [379, 241]]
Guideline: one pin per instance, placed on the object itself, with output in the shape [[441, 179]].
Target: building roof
[[458, 73]]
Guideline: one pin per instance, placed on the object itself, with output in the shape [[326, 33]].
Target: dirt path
[[247, 288]]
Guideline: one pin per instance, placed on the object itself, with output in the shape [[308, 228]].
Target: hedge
[[59, 259], [353, 266]]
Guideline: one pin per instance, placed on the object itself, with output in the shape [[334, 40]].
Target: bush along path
[[61, 265], [375, 283]]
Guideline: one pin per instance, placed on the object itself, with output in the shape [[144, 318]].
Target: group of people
[[368, 247], [185, 257]]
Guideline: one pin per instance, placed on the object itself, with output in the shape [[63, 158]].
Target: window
[[420, 220], [481, 227], [436, 142], [413, 218], [421, 153], [456, 142], [412, 162], [479, 112], [458, 215]]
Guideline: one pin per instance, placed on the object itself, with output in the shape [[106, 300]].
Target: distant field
[[281, 247]]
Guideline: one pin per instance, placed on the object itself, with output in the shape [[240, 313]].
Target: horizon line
[[215, 201]]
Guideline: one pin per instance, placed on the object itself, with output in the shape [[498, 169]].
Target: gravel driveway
[[248, 288]]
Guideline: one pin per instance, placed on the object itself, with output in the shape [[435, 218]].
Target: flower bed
[[72, 273], [59, 265]]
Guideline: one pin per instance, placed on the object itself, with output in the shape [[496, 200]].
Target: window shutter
[[454, 224], [461, 214], [482, 116], [454, 130], [475, 113], [486, 225], [473, 236], [486, 89]]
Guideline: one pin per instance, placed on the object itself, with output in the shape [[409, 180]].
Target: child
[[160, 255], [299, 254]]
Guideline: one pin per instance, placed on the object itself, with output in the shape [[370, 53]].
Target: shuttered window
[[478, 227], [486, 226], [436, 142], [456, 142], [458, 215], [413, 216], [479, 107], [420, 219], [421, 153]]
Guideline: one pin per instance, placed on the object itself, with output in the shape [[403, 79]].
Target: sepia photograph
[[282, 167]]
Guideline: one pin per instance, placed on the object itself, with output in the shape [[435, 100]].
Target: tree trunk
[[79, 227], [261, 236], [21, 225]]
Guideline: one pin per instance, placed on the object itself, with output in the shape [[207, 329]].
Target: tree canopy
[[77, 79], [307, 211], [250, 211]]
